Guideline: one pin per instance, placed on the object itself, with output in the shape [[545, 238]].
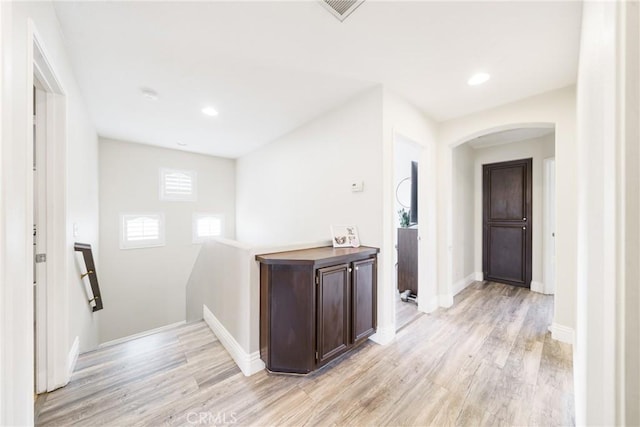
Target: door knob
[[524, 228], [524, 219]]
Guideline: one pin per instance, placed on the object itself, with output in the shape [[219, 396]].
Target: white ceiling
[[268, 67]]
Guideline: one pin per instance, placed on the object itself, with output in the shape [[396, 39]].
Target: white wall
[[145, 288], [538, 149], [82, 203], [548, 109], [607, 366], [401, 119], [294, 188], [464, 235]]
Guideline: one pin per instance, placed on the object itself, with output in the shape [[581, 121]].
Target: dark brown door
[[333, 312], [364, 299], [506, 231]]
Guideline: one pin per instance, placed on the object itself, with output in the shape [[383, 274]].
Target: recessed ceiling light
[[209, 111], [478, 79], [149, 94], [182, 144]]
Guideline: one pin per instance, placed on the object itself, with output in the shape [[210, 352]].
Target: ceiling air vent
[[341, 8]]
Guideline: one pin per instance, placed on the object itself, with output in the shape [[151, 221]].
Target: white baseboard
[[461, 284], [141, 334], [384, 335], [446, 300], [537, 287], [249, 363], [479, 276], [562, 333], [429, 306], [73, 357]]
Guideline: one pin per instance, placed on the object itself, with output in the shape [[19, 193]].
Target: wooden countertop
[[314, 255]]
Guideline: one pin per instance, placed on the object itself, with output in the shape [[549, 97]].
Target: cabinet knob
[[351, 270], [357, 268]]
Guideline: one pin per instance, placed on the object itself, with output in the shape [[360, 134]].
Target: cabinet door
[[333, 312], [408, 259], [364, 299]]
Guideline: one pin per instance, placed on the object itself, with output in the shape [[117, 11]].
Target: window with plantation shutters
[[141, 230], [178, 185], [206, 226]]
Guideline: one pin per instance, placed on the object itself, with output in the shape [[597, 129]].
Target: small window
[[178, 185], [141, 230], [206, 226]]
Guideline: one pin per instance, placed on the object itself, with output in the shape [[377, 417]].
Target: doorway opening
[[47, 208], [407, 155], [469, 228]]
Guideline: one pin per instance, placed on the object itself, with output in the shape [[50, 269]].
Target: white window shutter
[[206, 226], [141, 230], [178, 185]]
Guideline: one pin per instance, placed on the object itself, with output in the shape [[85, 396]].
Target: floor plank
[[487, 360]]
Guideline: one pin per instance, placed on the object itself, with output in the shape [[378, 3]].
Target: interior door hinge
[[317, 280], [316, 355], [41, 258]]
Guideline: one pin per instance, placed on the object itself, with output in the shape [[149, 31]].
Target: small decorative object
[[345, 236], [404, 218]]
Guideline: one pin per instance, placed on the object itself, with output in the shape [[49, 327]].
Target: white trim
[[548, 226], [5, 324], [445, 300], [538, 287], [429, 305], [462, 284], [142, 334], [479, 276], [384, 335], [56, 304], [562, 333], [73, 356], [249, 363]]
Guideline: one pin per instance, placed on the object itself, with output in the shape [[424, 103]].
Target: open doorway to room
[[47, 208], [504, 205], [406, 204]]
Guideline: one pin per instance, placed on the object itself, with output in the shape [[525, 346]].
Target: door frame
[[52, 304], [524, 223], [548, 225]]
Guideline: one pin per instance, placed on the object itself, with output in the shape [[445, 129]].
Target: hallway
[[488, 360]]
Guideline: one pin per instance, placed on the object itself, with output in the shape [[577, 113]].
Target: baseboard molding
[[429, 306], [460, 285], [479, 276], [384, 335], [249, 363], [537, 287], [73, 357], [562, 333], [141, 334], [445, 301]]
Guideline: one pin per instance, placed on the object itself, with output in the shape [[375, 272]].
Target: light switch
[[357, 186]]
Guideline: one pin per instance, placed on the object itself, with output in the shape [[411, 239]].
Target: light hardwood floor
[[406, 312], [488, 360]]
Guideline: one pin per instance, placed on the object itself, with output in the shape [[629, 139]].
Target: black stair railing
[[85, 248]]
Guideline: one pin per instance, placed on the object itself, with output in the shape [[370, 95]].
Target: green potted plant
[[404, 218]]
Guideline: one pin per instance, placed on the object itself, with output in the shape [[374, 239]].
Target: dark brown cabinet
[[315, 305], [408, 259]]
